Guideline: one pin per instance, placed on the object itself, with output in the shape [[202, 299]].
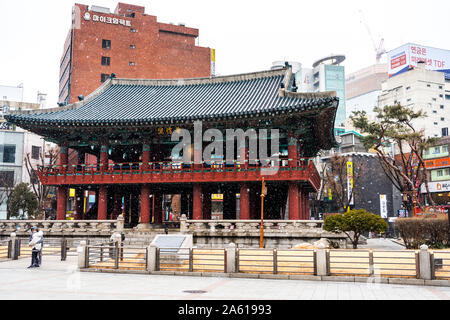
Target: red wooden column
[[61, 203], [245, 202], [306, 204], [146, 155], [294, 212], [62, 190], [292, 151], [102, 203], [104, 157], [197, 202], [158, 208], [145, 205], [301, 203]]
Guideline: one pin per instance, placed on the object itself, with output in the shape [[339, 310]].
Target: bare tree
[[6, 188], [336, 178], [41, 191], [406, 170]]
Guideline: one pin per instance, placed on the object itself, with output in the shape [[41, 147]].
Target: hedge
[[434, 232]]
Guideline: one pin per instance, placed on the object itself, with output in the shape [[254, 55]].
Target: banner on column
[[350, 196], [383, 206]]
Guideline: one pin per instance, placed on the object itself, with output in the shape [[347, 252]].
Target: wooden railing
[[170, 172]]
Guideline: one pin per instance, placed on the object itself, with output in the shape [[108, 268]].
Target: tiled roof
[[122, 101]]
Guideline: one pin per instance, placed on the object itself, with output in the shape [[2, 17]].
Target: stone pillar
[[198, 203], [321, 261], [245, 202], [292, 151], [145, 206], [424, 263], [61, 203], [294, 212], [82, 255], [231, 258], [102, 203], [158, 208], [151, 258]]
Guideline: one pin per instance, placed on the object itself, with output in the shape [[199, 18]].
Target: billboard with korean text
[[407, 56]]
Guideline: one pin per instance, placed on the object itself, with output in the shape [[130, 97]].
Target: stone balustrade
[[60, 228], [285, 233]]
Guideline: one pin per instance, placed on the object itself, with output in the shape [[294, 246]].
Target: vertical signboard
[[383, 206], [350, 196], [213, 62]]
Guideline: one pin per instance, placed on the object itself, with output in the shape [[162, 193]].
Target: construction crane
[[380, 50]]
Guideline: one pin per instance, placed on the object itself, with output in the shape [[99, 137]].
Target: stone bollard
[[14, 246], [83, 259], [151, 258], [424, 263], [120, 224], [321, 261], [231, 258], [183, 224]]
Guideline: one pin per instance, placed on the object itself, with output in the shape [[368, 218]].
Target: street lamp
[[263, 194]]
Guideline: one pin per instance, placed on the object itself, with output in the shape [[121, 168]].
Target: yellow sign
[[217, 197], [330, 195], [72, 193], [213, 55]]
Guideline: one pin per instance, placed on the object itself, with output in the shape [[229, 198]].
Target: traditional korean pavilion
[[127, 124]]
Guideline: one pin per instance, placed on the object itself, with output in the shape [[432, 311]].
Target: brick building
[[130, 44]]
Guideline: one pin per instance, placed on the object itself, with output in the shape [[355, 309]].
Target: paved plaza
[[57, 280]]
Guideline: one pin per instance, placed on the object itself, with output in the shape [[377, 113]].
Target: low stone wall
[[282, 234], [53, 228]]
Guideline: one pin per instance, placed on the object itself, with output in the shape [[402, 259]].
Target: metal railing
[[191, 260], [116, 256], [5, 249], [440, 265]]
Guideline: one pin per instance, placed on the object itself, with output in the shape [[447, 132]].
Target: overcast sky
[[247, 34]]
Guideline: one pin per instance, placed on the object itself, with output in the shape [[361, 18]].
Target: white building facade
[[421, 89]]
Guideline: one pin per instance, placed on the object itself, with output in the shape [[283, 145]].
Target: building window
[[35, 153], [435, 123], [132, 30], [434, 111], [442, 107], [445, 148], [106, 44], [132, 46], [34, 178], [132, 63], [437, 150], [106, 61], [442, 119], [429, 85], [9, 154], [441, 96], [104, 77], [440, 87], [7, 179], [447, 97], [440, 173]]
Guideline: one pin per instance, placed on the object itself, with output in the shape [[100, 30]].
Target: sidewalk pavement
[[57, 280]]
